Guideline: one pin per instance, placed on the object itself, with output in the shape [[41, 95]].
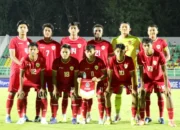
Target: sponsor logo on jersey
[[158, 46], [79, 45], [53, 47], [71, 68], [103, 47], [61, 68], [154, 62], [125, 66], [37, 65], [96, 67]]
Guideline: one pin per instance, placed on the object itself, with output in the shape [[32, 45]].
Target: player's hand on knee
[[42, 93], [20, 94], [167, 92], [55, 94]]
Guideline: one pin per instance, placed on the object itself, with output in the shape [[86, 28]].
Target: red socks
[[44, 107], [101, 107], [148, 103], [161, 106], [54, 107], [64, 105], [9, 103]]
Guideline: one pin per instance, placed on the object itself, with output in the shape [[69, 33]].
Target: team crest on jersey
[[79, 45], [53, 47], [154, 62], [37, 65], [129, 42], [103, 47], [71, 68], [87, 85], [158, 46], [125, 66], [96, 67]]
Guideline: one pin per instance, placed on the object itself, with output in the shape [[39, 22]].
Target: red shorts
[[115, 87], [14, 80], [48, 83], [157, 85], [26, 88]]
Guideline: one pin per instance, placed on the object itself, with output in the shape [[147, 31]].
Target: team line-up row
[[76, 65]]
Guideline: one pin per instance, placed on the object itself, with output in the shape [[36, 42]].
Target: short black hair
[[22, 22], [49, 25], [74, 24], [153, 25], [125, 22], [89, 47], [147, 40], [67, 46], [31, 44], [120, 46], [98, 25]]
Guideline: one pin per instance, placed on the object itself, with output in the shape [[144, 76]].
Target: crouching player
[[95, 69], [32, 75], [65, 71], [121, 72], [153, 75]]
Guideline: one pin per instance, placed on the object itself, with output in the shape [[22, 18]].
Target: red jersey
[[32, 70], [103, 48], [159, 45], [65, 71], [50, 51], [152, 64], [77, 47], [92, 69], [121, 70], [21, 49]]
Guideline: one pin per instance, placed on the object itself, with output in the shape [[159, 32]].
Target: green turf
[[124, 124]]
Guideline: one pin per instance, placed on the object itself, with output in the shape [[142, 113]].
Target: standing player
[[153, 75], [78, 45], [132, 44], [65, 71], [103, 51], [159, 45], [18, 47], [50, 50], [95, 69], [121, 73], [32, 75]]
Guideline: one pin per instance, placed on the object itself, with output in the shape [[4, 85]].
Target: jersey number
[[47, 52]]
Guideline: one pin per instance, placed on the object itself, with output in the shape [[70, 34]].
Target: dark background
[[139, 13]]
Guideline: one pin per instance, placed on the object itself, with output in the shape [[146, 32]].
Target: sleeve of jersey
[[138, 43], [165, 45], [76, 65], [110, 66], [110, 49], [131, 65], [139, 61], [12, 44], [54, 66], [58, 50], [102, 65], [162, 59], [22, 66]]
